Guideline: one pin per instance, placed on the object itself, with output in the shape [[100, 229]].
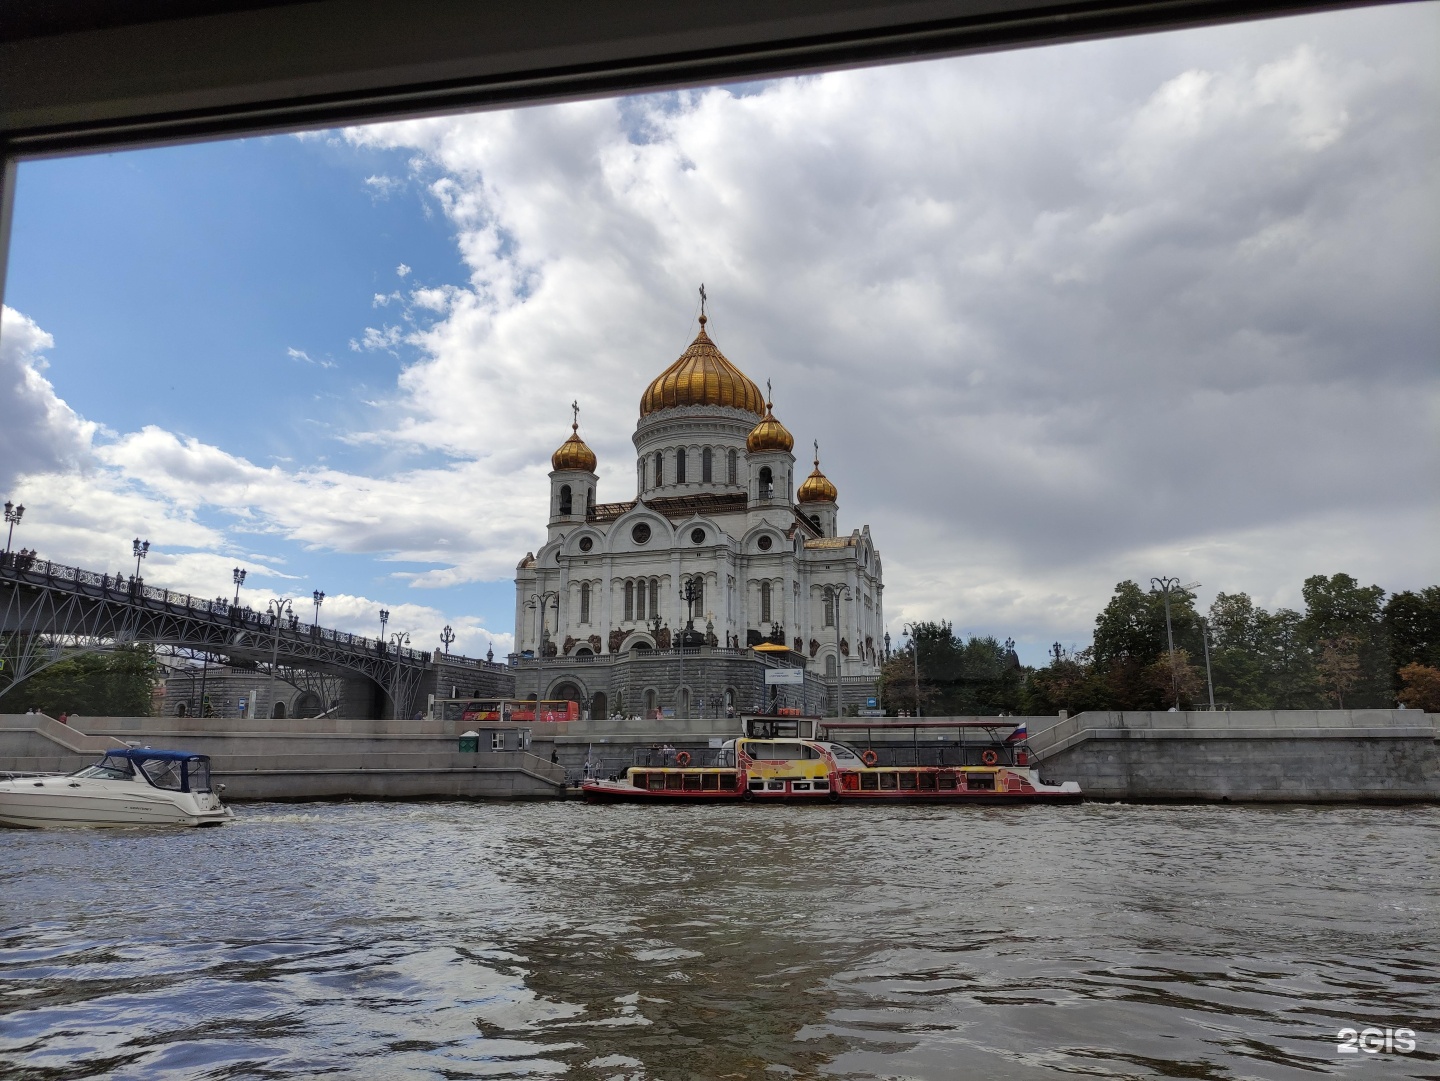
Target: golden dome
[[702, 376], [769, 434], [817, 487], [573, 453]]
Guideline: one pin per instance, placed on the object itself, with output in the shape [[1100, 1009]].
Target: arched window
[[767, 483], [830, 665], [650, 703], [706, 465], [765, 602], [565, 500], [659, 468], [680, 466], [829, 609], [697, 601], [629, 601], [640, 600], [815, 521], [733, 470], [654, 597], [584, 602], [590, 503], [640, 469]]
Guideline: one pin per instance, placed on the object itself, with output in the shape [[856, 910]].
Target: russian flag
[[1017, 736]]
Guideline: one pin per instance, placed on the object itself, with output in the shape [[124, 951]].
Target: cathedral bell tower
[[818, 497], [572, 479], [772, 466]]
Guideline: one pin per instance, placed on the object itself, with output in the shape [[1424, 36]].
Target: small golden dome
[[769, 434], [573, 453], [817, 487], [702, 376]]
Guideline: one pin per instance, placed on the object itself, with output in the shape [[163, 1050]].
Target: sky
[[1058, 317]]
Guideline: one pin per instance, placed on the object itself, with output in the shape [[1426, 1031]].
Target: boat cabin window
[[109, 769], [773, 752], [164, 773], [197, 777], [842, 753]]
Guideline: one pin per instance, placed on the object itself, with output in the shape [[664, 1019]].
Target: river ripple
[[454, 940]]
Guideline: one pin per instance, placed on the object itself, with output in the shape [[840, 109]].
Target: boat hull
[[901, 785]]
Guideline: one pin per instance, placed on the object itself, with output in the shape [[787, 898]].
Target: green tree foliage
[[1412, 626], [1420, 687], [115, 683], [958, 677], [1339, 608], [1258, 659]]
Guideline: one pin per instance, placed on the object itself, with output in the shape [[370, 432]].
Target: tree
[[1339, 607], [1420, 687], [1130, 634], [115, 683], [1412, 628], [1338, 667], [898, 683]]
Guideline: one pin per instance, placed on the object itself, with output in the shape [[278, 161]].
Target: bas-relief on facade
[[716, 505]]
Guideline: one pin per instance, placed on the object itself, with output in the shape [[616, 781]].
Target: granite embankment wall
[[297, 759], [1303, 755], [1280, 755]]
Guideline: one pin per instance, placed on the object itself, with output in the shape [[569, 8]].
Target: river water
[[454, 940]]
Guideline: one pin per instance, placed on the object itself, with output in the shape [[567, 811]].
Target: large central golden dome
[[702, 376]]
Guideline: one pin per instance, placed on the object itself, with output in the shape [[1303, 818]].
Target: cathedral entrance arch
[[569, 690]]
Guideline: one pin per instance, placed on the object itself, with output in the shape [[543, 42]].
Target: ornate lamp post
[[833, 592], [687, 594], [384, 619], [540, 601], [446, 637], [398, 640], [1165, 585], [319, 598], [13, 514], [140, 549], [239, 575], [279, 609], [909, 628], [887, 645]]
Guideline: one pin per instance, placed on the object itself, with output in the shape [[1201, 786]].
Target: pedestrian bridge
[[49, 612]]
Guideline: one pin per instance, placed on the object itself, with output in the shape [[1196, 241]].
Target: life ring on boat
[[869, 758], [989, 757], [683, 758]]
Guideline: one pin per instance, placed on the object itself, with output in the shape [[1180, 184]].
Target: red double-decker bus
[[519, 709]]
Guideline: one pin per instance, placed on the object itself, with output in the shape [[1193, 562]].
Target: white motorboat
[[129, 786]]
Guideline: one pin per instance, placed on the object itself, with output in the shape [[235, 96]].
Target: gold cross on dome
[[575, 416], [817, 454], [702, 298]]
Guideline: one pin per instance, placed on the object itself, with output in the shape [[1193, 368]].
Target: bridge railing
[[29, 569]]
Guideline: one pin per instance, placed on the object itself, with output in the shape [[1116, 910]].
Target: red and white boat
[[766, 765]]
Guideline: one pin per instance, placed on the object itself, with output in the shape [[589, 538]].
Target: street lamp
[[279, 608], [1165, 585], [539, 601], [688, 595], [909, 628], [887, 645], [1205, 641], [446, 637], [141, 549], [239, 575], [384, 619], [13, 514], [398, 640], [319, 598], [833, 593]]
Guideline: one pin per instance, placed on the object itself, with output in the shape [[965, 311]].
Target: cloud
[[39, 433], [306, 358], [382, 187], [1058, 317], [1054, 314]]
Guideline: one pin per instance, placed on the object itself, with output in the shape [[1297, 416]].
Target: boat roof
[[881, 724], [143, 754]]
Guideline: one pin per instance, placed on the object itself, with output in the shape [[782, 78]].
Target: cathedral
[[719, 552]]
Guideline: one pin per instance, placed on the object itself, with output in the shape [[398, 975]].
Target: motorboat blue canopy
[[146, 754]]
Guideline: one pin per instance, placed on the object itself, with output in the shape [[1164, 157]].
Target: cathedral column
[[607, 588]]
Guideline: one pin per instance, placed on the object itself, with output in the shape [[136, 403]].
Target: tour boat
[[130, 786], [797, 768]]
